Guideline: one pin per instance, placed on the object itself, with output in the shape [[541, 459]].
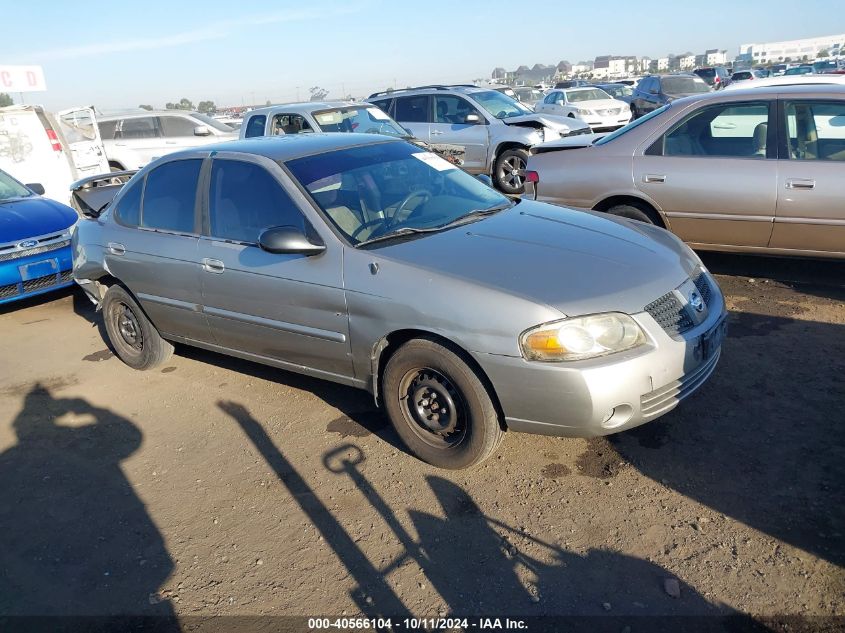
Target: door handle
[[116, 249], [213, 266], [800, 183], [654, 178], [436, 132]]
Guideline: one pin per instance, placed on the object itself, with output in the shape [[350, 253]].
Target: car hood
[[577, 262], [558, 123], [30, 217]]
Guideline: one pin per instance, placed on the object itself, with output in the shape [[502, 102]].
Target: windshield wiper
[[400, 232], [477, 214]]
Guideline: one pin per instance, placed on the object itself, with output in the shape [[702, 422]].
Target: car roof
[[434, 89], [135, 114], [292, 146], [819, 91], [799, 80], [299, 107]]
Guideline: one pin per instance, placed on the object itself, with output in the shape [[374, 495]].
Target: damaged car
[[491, 130]]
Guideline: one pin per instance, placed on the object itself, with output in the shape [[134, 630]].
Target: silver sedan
[[363, 260]]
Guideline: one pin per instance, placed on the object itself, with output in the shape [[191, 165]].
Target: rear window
[[706, 72], [684, 85], [255, 126], [170, 196]]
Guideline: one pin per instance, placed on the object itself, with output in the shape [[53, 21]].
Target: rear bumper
[[34, 275]]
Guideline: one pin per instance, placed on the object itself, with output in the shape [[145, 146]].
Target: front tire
[[509, 172], [439, 406], [133, 337]]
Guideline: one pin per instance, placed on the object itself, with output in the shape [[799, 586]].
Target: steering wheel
[[387, 223], [368, 224]]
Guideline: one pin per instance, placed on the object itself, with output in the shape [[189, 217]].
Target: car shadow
[[774, 461], [76, 539]]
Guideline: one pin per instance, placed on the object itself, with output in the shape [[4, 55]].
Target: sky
[[122, 54]]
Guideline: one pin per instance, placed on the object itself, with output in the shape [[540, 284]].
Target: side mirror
[[36, 187], [472, 119], [288, 240], [485, 179], [202, 130]]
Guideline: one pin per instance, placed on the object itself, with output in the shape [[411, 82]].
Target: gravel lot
[[216, 486]]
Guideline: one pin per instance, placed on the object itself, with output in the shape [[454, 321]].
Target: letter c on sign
[[6, 78], [31, 78]]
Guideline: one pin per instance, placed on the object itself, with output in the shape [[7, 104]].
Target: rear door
[[811, 177], [714, 173], [82, 136], [139, 141], [452, 136], [286, 307]]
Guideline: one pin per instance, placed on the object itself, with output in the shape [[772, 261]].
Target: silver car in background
[[759, 170], [363, 260]]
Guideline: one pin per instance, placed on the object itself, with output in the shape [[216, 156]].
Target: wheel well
[[637, 203], [389, 345], [114, 163], [503, 147]]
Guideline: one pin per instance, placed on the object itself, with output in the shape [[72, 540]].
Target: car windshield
[[499, 105], [371, 120], [11, 189], [217, 125], [392, 189], [633, 124], [588, 94], [683, 85]]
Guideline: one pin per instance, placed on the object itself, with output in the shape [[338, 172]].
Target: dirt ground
[[216, 486]]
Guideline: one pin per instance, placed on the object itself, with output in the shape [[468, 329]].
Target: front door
[[286, 307], [451, 135], [714, 175], [811, 178]]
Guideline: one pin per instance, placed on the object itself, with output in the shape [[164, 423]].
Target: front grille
[[37, 250], [8, 291], [39, 283], [670, 314], [666, 398], [703, 286], [609, 112]]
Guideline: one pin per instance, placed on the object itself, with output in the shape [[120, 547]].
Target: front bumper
[[608, 123], [35, 274], [610, 394]]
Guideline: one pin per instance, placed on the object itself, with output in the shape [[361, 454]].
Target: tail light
[[54, 140], [532, 176]]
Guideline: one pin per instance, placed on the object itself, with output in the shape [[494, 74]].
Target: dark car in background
[[716, 77], [571, 83], [804, 69], [620, 91], [34, 241], [656, 91]]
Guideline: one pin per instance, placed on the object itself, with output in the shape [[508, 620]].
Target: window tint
[[170, 196], [245, 199], [724, 130], [107, 129], [384, 104], [412, 109], [816, 130], [289, 124], [177, 126], [679, 84], [144, 127], [256, 125], [452, 109], [128, 210]]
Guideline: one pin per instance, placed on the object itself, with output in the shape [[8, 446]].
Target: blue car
[[35, 252]]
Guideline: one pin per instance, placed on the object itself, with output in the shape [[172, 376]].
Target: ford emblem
[[28, 244], [696, 301]]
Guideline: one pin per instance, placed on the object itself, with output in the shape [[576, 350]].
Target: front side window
[[289, 124], [170, 196], [816, 130], [452, 109], [143, 127], [392, 188], [256, 125], [128, 210], [176, 126], [412, 109], [245, 199], [727, 130]]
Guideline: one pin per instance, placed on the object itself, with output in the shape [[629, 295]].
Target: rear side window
[[144, 127], [177, 126], [245, 199], [384, 104], [170, 196], [107, 129], [727, 130], [412, 109], [256, 126], [128, 210]]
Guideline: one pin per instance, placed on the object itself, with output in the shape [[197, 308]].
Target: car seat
[[758, 141]]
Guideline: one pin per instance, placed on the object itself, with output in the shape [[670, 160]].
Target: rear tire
[[634, 113], [133, 337], [631, 212], [439, 406], [509, 171]]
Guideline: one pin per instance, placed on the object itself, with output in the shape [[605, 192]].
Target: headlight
[[582, 337], [584, 111]]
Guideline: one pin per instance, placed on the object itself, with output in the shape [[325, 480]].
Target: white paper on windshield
[[377, 113], [434, 160]]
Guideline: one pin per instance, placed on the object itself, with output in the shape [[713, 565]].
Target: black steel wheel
[[133, 337]]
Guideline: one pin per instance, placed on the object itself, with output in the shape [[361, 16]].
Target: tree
[[206, 107], [184, 104], [268, 103], [823, 53], [317, 93], [5, 100], [145, 107]]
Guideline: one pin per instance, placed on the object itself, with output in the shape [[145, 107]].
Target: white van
[[51, 149]]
